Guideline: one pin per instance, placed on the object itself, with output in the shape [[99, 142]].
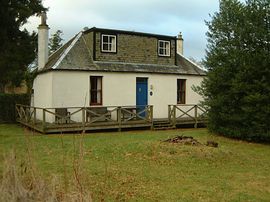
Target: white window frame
[[167, 50], [112, 44]]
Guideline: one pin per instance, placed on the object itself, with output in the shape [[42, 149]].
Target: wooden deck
[[78, 119]]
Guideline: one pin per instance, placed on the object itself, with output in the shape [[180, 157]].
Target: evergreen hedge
[[7, 106]]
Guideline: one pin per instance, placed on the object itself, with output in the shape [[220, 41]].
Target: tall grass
[[23, 181]]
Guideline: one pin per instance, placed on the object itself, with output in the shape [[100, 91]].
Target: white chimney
[[43, 38], [180, 44]]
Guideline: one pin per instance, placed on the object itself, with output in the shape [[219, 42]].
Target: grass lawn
[[138, 166]]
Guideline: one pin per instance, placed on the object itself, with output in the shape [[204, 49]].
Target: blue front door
[[141, 95]]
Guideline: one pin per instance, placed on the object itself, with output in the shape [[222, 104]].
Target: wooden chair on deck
[[97, 112], [63, 112]]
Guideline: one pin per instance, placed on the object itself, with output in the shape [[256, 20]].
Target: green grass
[[138, 166]]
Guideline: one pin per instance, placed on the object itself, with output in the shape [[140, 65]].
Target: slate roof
[[75, 55]]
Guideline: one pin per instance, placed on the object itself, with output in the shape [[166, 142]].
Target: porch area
[[78, 119]]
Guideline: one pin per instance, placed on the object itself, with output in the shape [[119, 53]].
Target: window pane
[[93, 97], [167, 48], [113, 48], [105, 39], [109, 47], [105, 47], [112, 39], [93, 83], [98, 97], [98, 83], [165, 52]]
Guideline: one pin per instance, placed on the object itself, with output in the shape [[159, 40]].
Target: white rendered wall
[[43, 90], [71, 89], [43, 93]]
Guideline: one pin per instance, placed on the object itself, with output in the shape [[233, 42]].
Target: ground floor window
[[181, 91], [95, 90]]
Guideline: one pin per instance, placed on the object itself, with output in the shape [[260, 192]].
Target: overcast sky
[[167, 17]]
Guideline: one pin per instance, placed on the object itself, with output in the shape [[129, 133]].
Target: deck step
[[162, 125], [164, 128]]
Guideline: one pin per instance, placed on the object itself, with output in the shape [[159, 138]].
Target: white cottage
[[105, 67]]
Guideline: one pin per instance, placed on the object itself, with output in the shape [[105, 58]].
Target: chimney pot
[[43, 16]]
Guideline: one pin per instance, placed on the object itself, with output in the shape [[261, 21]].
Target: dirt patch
[[188, 140], [211, 143], [185, 140]]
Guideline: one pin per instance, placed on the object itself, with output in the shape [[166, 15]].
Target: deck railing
[[83, 118], [186, 113]]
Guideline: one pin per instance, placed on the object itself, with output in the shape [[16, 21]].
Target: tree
[[55, 41], [237, 88], [18, 46]]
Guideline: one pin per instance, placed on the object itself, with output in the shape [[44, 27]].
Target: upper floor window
[[164, 48], [108, 43], [181, 91]]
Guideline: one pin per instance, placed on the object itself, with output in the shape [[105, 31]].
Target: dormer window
[[164, 48], [108, 43]]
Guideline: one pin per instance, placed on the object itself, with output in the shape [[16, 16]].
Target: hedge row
[[7, 106]]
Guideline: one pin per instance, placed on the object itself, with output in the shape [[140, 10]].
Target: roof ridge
[[128, 32]]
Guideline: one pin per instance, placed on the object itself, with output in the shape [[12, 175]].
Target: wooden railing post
[[196, 116], [119, 118], [28, 114], [83, 119], [43, 120], [151, 117], [17, 113], [35, 116], [174, 116], [169, 113]]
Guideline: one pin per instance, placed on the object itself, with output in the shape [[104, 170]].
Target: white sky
[[167, 17]]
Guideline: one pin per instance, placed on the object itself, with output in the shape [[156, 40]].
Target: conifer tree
[[18, 46], [55, 41], [237, 88]]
